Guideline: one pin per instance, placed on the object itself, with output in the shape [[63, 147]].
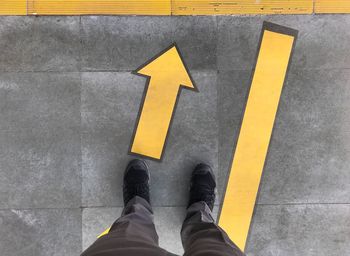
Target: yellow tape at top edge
[[222, 7], [171, 7], [13, 7], [163, 7], [99, 7], [332, 6]]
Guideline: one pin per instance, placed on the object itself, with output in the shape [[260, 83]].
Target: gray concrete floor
[[68, 105]]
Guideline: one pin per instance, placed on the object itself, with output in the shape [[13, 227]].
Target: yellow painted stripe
[[255, 133], [332, 6], [81, 7], [207, 7], [13, 7]]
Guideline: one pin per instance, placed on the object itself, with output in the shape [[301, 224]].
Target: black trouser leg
[[202, 237], [133, 234]]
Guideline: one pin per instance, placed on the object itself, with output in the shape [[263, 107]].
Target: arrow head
[[168, 66]]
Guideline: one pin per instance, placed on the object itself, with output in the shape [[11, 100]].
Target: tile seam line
[[291, 69], [183, 206], [80, 74], [166, 206], [86, 207], [41, 208], [92, 71], [81, 157], [291, 204], [129, 71]]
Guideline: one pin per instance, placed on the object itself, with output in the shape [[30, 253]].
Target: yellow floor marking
[[332, 6], [104, 232], [81, 7], [166, 74], [208, 7], [13, 7], [171, 7], [255, 133]]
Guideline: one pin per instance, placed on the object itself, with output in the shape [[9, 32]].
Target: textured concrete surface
[[118, 44], [68, 106], [306, 229], [40, 232], [40, 140], [39, 44], [322, 41], [309, 152]]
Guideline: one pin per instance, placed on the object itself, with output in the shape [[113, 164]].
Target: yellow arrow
[[166, 74]]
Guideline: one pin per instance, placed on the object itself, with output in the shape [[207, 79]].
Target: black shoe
[[136, 181], [202, 186]]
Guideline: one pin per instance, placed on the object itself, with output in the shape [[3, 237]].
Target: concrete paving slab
[[40, 140], [122, 43], [309, 152], [290, 230], [41, 232], [39, 43], [110, 103], [168, 222], [238, 39], [196, 37], [316, 48], [125, 43]]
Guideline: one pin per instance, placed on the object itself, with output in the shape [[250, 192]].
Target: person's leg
[[134, 233], [200, 235], [136, 222]]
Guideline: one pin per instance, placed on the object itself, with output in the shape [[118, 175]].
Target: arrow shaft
[[155, 118]]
